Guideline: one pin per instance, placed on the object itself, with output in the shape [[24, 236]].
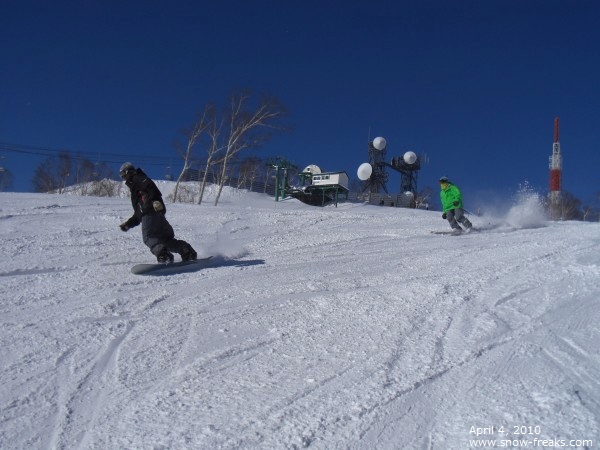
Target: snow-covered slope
[[329, 328]]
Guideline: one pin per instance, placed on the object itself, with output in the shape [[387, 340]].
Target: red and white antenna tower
[[555, 171]]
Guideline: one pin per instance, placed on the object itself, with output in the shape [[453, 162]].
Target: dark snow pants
[[158, 233], [457, 215]]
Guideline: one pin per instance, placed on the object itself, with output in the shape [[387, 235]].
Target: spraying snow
[[528, 211]]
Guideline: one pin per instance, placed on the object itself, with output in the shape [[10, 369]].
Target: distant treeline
[[64, 171]]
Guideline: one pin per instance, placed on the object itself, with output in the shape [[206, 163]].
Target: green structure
[[283, 168]]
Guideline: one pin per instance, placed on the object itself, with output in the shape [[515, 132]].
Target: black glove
[[455, 203], [124, 226], [444, 215]]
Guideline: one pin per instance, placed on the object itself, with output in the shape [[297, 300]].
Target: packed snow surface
[[331, 328]]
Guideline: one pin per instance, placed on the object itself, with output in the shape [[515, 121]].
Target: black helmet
[[125, 169], [444, 179]]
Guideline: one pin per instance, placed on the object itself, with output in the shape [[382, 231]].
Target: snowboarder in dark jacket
[[452, 206], [149, 210]]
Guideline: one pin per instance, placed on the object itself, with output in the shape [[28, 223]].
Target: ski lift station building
[[324, 187], [331, 179]]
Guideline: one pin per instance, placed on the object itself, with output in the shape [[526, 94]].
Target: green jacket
[[449, 195]]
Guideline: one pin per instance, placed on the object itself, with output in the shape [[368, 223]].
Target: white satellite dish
[[312, 168], [379, 143], [410, 157], [364, 171]]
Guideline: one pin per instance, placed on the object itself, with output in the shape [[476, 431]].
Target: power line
[[106, 157]]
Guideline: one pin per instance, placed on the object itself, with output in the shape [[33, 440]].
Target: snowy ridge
[[329, 328]]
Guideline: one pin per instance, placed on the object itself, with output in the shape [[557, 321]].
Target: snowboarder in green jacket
[[452, 206]]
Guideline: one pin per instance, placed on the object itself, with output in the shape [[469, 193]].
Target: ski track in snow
[[349, 327]]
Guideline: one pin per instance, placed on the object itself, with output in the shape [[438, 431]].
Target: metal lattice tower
[[379, 176], [408, 173]]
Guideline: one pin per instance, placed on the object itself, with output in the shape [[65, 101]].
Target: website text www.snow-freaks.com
[[535, 442], [519, 436]]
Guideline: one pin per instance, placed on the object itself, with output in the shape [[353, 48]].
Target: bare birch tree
[[64, 170], [51, 175], [247, 127], [193, 135], [424, 197], [248, 172], [213, 150], [587, 211], [569, 207]]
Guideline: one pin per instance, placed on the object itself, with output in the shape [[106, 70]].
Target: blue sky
[[474, 85]]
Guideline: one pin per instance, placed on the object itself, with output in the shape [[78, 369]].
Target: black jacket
[[143, 194]]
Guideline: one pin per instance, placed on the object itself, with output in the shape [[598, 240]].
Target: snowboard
[[170, 269], [474, 229], [452, 233]]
